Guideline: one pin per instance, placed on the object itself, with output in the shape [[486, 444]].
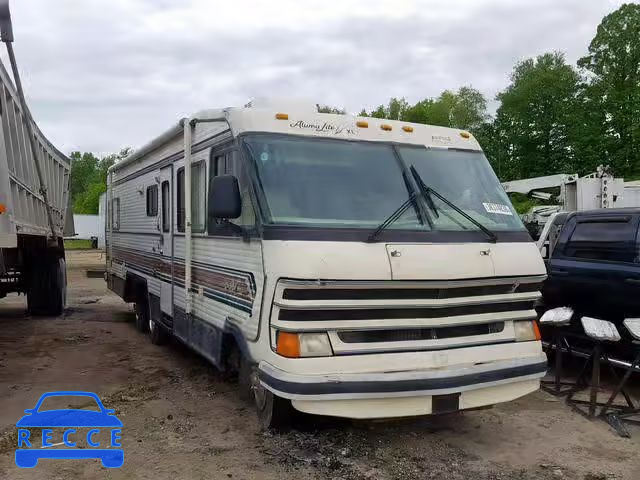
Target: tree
[[613, 89], [330, 109], [464, 109], [89, 179], [532, 126]]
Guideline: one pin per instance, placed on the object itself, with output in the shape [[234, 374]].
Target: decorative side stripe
[[229, 286]]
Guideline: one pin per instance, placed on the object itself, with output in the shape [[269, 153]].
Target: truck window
[[166, 207], [152, 201], [198, 197], [608, 240]]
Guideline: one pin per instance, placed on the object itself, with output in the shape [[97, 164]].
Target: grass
[[77, 244]]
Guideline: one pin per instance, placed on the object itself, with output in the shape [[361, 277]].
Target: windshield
[[330, 183], [466, 179], [333, 183]]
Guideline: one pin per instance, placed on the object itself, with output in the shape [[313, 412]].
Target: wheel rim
[[259, 392], [152, 326]]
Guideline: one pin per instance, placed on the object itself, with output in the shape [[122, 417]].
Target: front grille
[[362, 317], [397, 313], [311, 294], [417, 334]]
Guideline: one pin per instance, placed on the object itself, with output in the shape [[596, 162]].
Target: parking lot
[[182, 419]]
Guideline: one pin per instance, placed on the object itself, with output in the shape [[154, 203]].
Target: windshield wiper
[[428, 191], [410, 202]]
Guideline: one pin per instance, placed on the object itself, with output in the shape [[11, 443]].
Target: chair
[[629, 413], [598, 331], [558, 318]]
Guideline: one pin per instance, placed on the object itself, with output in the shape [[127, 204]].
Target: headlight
[[526, 331], [296, 345]]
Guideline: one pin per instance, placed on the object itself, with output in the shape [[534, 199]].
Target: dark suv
[[594, 264]]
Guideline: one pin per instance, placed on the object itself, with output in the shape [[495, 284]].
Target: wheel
[[157, 334], [273, 412], [245, 390], [142, 313], [47, 289]]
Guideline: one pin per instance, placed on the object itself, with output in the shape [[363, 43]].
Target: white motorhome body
[[426, 314]]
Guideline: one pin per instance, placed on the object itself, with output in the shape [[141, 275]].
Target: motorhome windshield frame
[[280, 231]]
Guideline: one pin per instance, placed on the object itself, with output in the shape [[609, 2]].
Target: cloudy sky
[[104, 74]]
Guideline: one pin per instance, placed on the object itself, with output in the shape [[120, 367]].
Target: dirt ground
[[182, 419]]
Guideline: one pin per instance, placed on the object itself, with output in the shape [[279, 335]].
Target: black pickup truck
[[594, 265]]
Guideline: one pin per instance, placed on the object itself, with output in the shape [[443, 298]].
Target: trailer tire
[[142, 312], [274, 413], [47, 291]]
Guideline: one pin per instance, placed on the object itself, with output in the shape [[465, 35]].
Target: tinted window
[[180, 203], [612, 240], [198, 196], [152, 201], [166, 207], [115, 214]]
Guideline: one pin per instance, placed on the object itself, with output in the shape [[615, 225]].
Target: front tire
[[273, 412]]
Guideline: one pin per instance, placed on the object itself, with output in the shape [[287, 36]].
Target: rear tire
[[274, 413], [47, 289], [142, 313], [157, 334]]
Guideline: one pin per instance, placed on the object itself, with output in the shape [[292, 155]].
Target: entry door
[[166, 241]]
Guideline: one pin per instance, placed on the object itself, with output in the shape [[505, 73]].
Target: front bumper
[[407, 393], [437, 381]]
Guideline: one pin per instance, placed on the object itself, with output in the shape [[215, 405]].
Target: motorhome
[[344, 266]]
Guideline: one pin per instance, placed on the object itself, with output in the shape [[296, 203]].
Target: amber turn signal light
[[288, 345]]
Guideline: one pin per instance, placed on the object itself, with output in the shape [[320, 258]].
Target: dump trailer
[[34, 189]]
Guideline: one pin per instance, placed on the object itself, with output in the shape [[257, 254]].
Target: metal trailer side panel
[[20, 187]]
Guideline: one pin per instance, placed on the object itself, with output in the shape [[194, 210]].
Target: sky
[[100, 75]]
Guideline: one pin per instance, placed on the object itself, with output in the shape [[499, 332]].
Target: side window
[[166, 207], [228, 163], [115, 214], [152, 201], [603, 239], [198, 197], [180, 203]]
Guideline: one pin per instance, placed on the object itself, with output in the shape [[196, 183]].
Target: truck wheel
[[157, 334], [273, 412], [142, 313], [47, 290]]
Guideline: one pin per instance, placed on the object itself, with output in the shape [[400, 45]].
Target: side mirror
[[224, 197], [545, 252]]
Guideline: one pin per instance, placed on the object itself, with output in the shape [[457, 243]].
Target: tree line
[[553, 117]]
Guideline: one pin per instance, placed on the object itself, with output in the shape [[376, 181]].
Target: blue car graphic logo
[[31, 447]]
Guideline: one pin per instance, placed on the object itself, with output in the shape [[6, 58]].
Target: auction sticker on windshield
[[85, 429], [497, 208]]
